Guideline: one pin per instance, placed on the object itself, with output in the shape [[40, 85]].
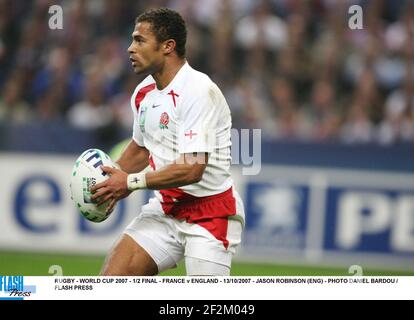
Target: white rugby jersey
[[189, 115]]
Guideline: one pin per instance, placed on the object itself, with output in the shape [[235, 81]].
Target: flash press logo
[[13, 288]]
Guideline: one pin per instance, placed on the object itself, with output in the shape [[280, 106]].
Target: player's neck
[[164, 77]]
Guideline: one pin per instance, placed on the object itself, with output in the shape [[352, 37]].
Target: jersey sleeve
[[198, 122], [136, 132]]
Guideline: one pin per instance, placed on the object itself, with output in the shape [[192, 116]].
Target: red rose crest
[[164, 120]]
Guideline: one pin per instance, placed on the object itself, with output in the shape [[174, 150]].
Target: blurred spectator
[[121, 103], [397, 33], [357, 127], [261, 28], [398, 123], [12, 106], [323, 114], [92, 112], [287, 122], [248, 103], [59, 72]]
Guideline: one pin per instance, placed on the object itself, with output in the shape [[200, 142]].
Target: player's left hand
[[115, 188]]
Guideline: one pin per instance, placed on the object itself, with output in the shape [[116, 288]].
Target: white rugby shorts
[[168, 240]]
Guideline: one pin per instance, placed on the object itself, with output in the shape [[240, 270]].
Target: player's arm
[[134, 158], [188, 169]]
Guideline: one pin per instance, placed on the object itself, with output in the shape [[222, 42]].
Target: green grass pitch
[[38, 264]]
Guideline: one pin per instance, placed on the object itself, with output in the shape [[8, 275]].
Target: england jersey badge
[[164, 120]]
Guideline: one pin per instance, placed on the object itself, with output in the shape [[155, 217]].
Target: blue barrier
[[60, 138]]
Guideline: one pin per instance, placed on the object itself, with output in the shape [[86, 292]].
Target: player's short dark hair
[[167, 24]]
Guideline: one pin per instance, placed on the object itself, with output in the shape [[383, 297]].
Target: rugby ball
[[85, 174]]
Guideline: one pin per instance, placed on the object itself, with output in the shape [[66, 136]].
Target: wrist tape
[[136, 181]]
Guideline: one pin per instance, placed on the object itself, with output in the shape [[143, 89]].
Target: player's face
[[144, 51]]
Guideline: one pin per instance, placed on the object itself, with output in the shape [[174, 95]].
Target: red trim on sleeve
[[142, 93]]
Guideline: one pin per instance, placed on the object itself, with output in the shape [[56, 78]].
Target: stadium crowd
[[291, 67]]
